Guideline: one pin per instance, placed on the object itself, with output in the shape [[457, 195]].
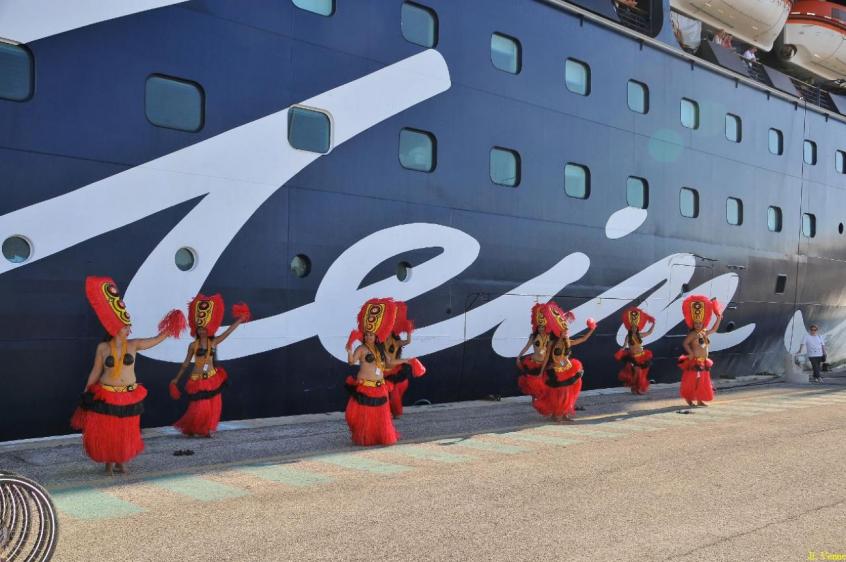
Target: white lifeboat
[[756, 22], [815, 38]]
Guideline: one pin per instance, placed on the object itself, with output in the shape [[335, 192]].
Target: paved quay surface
[[758, 475]]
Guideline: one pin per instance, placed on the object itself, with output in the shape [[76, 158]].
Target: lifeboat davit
[[756, 22], [815, 38]]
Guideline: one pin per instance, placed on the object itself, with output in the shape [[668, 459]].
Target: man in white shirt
[[815, 349]]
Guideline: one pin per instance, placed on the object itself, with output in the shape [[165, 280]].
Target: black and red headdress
[[105, 299], [633, 317], [560, 319], [378, 316], [541, 317], [699, 308], [402, 323], [205, 312]]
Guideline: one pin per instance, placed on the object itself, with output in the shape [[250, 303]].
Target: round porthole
[[404, 271], [840, 228], [17, 249], [301, 265], [185, 259], [730, 327]]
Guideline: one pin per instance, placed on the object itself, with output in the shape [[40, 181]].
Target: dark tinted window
[[577, 181], [734, 128], [505, 53], [774, 219], [689, 202], [321, 7], [577, 77], [839, 164], [309, 130], [689, 114], [16, 72], [505, 167], [781, 284], [776, 142], [419, 25], [174, 104], [638, 96], [809, 152], [734, 211], [809, 225], [637, 192], [417, 150]]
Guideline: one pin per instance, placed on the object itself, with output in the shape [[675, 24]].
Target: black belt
[[630, 359], [398, 377], [89, 404], [553, 382], [366, 400]]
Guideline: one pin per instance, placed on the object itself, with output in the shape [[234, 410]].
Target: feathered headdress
[[205, 312], [541, 317], [403, 324], [560, 319], [105, 299], [699, 308], [634, 316], [378, 316]]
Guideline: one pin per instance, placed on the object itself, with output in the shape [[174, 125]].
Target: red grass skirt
[[530, 380], [369, 414], [203, 413], [635, 371], [696, 379], [111, 423], [398, 377], [560, 400]]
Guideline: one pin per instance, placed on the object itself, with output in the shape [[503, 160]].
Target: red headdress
[[403, 324], [105, 299], [698, 308], [205, 312], [560, 319], [541, 317], [633, 316], [378, 316]]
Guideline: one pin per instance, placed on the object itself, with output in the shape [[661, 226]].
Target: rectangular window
[[734, 211], [776, 141], [174, 104], [505, 53], [417, 150], [809, 152], [638, 96], [419, 25], [781, 284], [809, 225], [774, 219], [577, 181], [577, 77], [309, 130], [689, 202], [320, 7], [840, 162], [689, 114], [734, 128], [637, 192], [16, 72], [505, 167]]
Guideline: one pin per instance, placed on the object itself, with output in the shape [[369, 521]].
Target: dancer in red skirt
[[205, 384], [368, 412], [109, 414], [530, 380], [563, 374], [636, 360], [695, 365], [399, 375]]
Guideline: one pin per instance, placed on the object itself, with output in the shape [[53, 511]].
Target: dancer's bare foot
[[701, 404], [109, 470], [689, 403], [556, 419], [121, 468], [567, 417]]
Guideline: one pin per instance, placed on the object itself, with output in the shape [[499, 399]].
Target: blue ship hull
[[84, 130]]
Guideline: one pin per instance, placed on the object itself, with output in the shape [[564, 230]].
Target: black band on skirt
[[552, 382], [365, 400], [89, 404]]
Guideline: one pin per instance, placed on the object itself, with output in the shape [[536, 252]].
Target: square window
[[840, 162], [320, 7], [809, 225], [734, 211], [174, 104], [419, 24], [734, 128], [638, 96], [16, 72], [309, 130], [637, 192], [577, 181], [577, 77], [417, 150], [776, 142], [781, 284], [505, 167], [689, 202], [809, 152], [505, 53], [689, 114], [774, 219]]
